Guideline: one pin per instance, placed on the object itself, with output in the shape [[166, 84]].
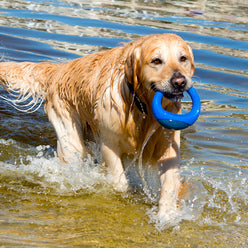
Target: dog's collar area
[[139, 104]]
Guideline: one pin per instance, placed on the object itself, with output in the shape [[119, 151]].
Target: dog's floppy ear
[[192, 60], [132, 66]]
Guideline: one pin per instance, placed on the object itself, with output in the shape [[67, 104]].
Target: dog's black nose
[[178, 81]]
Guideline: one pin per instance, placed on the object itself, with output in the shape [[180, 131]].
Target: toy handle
[[172, 120]]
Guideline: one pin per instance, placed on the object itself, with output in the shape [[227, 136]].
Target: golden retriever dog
[[106, 97]]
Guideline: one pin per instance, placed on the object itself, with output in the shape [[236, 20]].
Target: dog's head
[[161, 63]]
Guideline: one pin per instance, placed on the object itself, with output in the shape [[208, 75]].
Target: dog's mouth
[[175, 96]]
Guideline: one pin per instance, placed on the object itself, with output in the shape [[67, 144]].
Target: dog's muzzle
[[178, 85]]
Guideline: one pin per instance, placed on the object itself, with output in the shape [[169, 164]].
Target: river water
[[44, 203]]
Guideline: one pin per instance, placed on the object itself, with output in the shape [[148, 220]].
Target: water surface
[[44, 203]]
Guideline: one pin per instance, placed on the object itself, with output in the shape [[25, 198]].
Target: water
[[44, 203]]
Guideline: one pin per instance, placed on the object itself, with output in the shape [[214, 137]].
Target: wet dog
[[106, 97]]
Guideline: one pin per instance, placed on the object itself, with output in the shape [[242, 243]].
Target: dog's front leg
[[112, 159], [169, 171], [170, 186]]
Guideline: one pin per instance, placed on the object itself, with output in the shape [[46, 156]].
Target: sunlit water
[[45, 203]]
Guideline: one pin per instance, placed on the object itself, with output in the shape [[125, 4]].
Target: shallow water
[[44, 203]]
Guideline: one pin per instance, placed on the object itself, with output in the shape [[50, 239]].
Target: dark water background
[[44, 203]]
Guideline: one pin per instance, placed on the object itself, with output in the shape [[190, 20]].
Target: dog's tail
[[26, 82]]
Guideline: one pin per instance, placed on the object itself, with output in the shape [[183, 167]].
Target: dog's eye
[[183, 58], [157, 61]]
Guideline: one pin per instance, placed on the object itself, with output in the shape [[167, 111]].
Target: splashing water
[[226, 199], [50, 172], [211, 199], [189, 208]]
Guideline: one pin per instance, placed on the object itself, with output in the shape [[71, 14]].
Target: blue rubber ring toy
[[172, 120]]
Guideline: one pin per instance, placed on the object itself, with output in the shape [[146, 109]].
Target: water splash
[[50, 172], [214, 197], [190, 208]]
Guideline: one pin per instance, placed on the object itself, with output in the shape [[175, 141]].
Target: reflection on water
[[46, 203]]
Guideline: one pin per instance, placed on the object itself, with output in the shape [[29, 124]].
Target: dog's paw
[[187, 205], [121, 185], [121, 188], [165, 217]]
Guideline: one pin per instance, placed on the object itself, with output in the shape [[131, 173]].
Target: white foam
[[62, 178], [6, 142]]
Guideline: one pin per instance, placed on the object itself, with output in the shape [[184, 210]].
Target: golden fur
[[89, 99]]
